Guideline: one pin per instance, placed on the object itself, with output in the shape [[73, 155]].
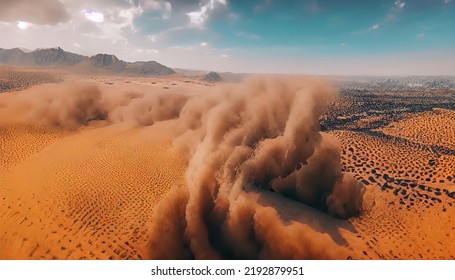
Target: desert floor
[[89, 192]]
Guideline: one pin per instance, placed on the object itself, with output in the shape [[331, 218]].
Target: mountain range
[[100, 63]]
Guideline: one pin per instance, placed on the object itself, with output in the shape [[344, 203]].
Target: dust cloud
[[68, 106], [239, 140], [261, 135]]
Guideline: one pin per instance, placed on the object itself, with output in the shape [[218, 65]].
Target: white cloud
[[203, 44], [151, 5], [117, 26], [93, 16], [167, 10], [165, 34], [126, 17], [182, 48], [224, 56], [374, 27], [399, 4], [23, 25], [156, 5], [395, 10], [421, 35], [198, 18], [447, 1], [168, 6], [152, 38], [147, 51]]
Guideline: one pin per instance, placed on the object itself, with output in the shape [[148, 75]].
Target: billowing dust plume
[[71, 105], [68, 106], [240, 141], [262, 135]]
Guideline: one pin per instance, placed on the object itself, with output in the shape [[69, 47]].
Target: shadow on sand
[[293, 211]]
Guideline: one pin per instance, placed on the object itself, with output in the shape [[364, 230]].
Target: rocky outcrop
[[108, 61], [148, 68], [212, 77]]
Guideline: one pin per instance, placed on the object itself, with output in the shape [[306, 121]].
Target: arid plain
[[111, 167]]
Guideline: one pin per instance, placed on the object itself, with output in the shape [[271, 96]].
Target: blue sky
[[377, 37]]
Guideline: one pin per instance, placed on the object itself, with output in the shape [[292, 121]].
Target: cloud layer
[[45, 12], [240, 36]]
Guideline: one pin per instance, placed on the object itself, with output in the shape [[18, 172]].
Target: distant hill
[[108, 61], [39, 57], [212, 77], [100, 63], [227, 77], [148, 68], [230, 77], [190, 72]]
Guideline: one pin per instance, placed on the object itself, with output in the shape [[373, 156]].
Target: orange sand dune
[[88, 195]]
